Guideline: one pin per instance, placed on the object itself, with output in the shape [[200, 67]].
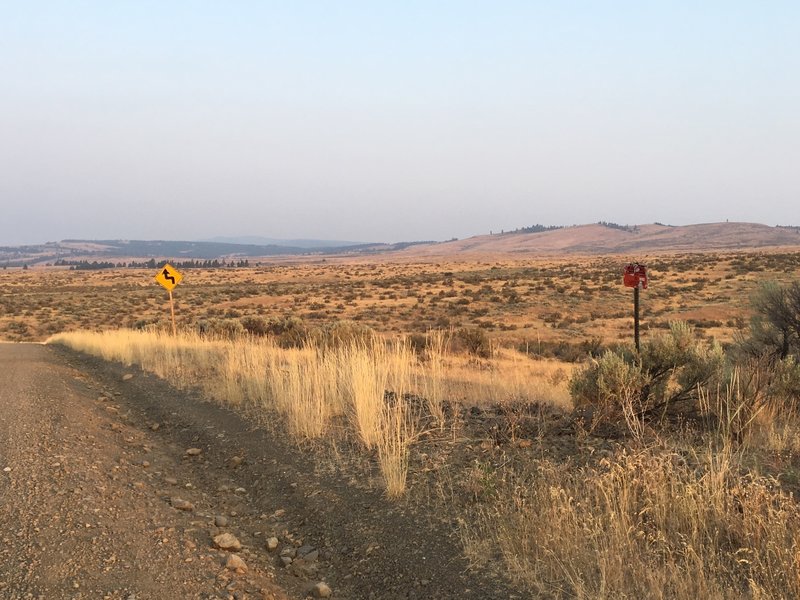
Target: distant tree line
[[85, 265], [372, 248]]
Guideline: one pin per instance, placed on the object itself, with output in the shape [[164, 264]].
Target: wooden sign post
[[169, 278], [635, 276], [635, 318]]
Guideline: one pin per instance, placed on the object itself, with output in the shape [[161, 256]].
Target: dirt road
[[99, 498]]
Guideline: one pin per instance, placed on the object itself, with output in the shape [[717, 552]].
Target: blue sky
[[393, 121]]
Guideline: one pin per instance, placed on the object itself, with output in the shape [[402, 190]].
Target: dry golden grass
[[372, 383], [670, 514], [433, 373], [398, 428], [299, 389], [646, 524], [366, 377], [508, 376]]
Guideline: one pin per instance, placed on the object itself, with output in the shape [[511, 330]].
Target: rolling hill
[[612, 239]]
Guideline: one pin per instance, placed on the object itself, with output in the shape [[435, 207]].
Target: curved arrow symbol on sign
[[167, 275]]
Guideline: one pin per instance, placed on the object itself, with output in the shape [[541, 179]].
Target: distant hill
[[610, 238], [179, 249], [255, 240], [116, 250], [598, 238], [107, 253]]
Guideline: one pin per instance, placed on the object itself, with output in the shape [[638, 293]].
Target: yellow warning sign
[[169, 277]]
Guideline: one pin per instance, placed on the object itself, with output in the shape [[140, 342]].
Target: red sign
[[635, 275]]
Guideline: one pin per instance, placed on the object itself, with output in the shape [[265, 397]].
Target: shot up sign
[[635, 276]]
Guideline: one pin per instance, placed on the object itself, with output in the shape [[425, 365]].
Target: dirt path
[[93, 469]]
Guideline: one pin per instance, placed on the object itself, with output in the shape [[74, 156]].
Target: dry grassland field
[[503, 396], [539, 302]]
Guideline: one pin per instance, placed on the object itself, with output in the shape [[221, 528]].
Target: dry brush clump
[[365, 378], [302, 386]]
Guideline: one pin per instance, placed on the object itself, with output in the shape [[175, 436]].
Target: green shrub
[[256, 326], [475, 341], [223, 328], [785, 385], [289, 332], [342, 333], [775, 327], [664, 378], [607, 384]]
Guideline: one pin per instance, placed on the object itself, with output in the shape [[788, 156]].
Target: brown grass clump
[[303, 389], [366, 373], [398, 429], [433, 373]]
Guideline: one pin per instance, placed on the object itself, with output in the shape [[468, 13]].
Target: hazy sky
[[389, 121]]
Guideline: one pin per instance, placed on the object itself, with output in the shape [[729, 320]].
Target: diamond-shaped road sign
[[168, 277]]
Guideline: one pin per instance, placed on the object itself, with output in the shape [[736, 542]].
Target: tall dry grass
[[366, 377], [299, 389], [433, 375], [509, 376], [667, 516], [373, 383], [399, 419], [646, 525]]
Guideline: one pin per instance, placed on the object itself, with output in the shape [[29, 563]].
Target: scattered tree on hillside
[[533, 229], [610, 225]]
